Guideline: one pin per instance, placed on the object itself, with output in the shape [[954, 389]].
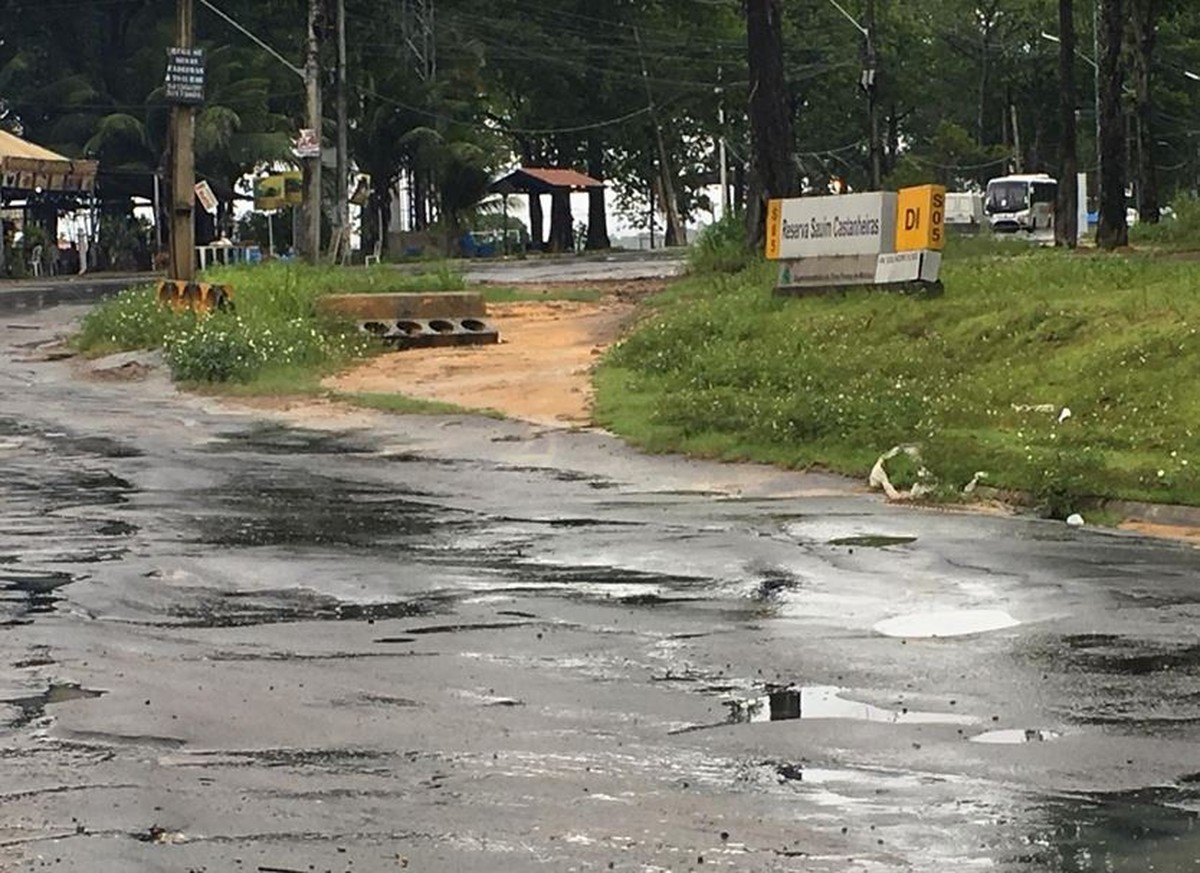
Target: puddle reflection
[[825, 702]]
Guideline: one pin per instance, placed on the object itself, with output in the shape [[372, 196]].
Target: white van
[[1021, 203]]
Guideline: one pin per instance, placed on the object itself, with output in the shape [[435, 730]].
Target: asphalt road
[[460, 644]]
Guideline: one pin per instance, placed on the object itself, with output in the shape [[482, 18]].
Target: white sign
[[204, 193], [918, 266], [848, 224], [308, 144]]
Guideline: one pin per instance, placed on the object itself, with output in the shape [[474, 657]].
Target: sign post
[[878, 238], [185, 88]]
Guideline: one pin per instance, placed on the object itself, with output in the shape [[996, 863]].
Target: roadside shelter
[[41, 180], [560, 184]]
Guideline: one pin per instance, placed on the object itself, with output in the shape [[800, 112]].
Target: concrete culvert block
[[441, 326], [378, 328], [474, 325], [410, 328]]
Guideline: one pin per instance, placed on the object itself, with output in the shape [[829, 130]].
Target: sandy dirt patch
[[540, 372], [1182, 533]]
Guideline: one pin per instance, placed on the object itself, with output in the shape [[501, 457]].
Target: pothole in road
[[1016, 736], [273, 439], [946, 623], [1128, 656], [35, 588], [30, 709], [872, 541], [252, 608], [316, 511]]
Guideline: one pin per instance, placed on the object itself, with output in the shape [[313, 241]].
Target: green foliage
[[1180, 228], [132, 320], [977, 377], [231, 347], [402, 404], [721, 247]]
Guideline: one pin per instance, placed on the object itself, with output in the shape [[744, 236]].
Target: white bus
[[1021, 203]]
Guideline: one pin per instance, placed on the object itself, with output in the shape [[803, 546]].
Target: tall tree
[[1066, 213], [773, 166], [1143, 27], [1113, 231]]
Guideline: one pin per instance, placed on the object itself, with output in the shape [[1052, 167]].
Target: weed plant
[[274, 325], [978, 378], [721, 247], [1179, 229]]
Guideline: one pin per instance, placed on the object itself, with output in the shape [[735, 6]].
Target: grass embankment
[[274, 342], [978, 378]]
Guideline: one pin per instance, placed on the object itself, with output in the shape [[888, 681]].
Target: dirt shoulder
[[541, 370]]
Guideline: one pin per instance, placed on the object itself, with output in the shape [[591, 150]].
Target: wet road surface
[[231, 643]]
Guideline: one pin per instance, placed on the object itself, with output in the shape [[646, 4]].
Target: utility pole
[[312, 165], [722, 151], [183, 163], [675, 234], [869, 85], [1066, 209], [343, 166]]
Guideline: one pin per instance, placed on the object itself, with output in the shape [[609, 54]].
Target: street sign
[[875, 238], [185, 76], [204, 193], [307, 144], [921, 218]]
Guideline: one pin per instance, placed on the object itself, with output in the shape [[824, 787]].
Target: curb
[[82, 289]]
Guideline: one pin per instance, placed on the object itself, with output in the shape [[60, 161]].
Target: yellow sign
[[268, 193], [921, 219], [774, 228], [293, 187]]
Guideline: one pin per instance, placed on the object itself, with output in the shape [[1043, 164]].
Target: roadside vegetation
[[273, 341], [978, 378]]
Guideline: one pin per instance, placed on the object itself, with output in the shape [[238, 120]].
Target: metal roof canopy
[[25, 167], [543, 180]]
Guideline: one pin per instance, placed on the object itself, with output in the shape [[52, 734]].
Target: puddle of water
[[1016, 736], [248, 609], [274, 439], [773, 582], [1125, 832], [946, 623], [315, 511], [36, 587], [826, 702], [872, 541], [30, 709]]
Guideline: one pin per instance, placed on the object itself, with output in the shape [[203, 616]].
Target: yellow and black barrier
[[197, 296]]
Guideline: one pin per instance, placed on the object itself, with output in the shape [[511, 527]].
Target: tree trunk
[[773, 167], [1066, 211], [537, 222], [1113, 231], [1143, 16], [597, 230], [561, 232], [418, 195]]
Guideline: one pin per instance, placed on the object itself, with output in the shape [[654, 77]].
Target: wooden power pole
[[183, 164], [870, 85], [343, 162], [312, 164]]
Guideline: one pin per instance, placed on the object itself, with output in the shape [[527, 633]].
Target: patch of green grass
[[306, 282], [402, 404], [1178, 230], [721, 367]]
